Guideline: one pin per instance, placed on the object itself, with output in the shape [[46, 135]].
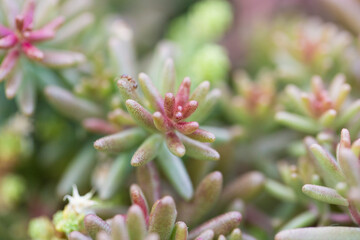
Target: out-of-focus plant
[[340, 175], [160, 129], [200, 57], [19, 33], [15, 143], [309, 46], [320, 109], [163, 221], [255, 101]]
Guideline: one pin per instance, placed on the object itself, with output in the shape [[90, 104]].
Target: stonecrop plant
[[179, 120]]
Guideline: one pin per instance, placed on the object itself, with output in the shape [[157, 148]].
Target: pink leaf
[[62, 58], [32, 52], [187, 127], [189, 108], [182, 95], [8, 41], [8, 63], [4, 31], [28, 14]]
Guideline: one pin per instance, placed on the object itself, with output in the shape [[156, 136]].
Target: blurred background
[[208, 43]]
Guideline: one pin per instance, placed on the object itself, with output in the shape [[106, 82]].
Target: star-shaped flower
[[77, 203]]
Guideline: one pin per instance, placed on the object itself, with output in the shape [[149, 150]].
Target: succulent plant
[[340, 175], [18, 38], [202, 58], [307, 47], [320, 109], [195, 169], [160, 222], [254, 102], [161, 130]]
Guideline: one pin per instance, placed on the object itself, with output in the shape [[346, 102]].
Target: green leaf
[[222, 224], [150, 92], [198, 150], [244, 187], [93, 225], [70, 105], [147, 151], [136, 224], [180, 231], [206, 235], [324, 194], [328, 167], [280, 191], [168, 78], [206, 196], [175, 171], [302, 220], [162, 217], [121, 141], [148, 178], [350, 166], [118, 228], [140, 115], [298, 122], [320, 233], [84, 161], [117, 176]]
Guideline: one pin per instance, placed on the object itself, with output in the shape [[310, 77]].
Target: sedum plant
[[307, 47], [340, 175], [164, 220], [195, 169], [320, 109], [159, 128], [24, 27]]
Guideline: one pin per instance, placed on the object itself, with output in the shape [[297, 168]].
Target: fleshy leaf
[[94, 224], [320, 233], [140, 115], [121, 141], [174, 144], [70, 105], [324, 194], [147, 151], [62, 59], [149, 180], [329, 168], [180, 231], [150, 92], [199, 150], [175, 171], [222, 224], [138, 198], [118, 228], [116, 177], [136, 223], [162, 217], [206, 196]]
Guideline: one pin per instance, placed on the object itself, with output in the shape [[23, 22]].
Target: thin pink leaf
[[28, 14], [62, 58], [8, 63], [4, 31], [32, 52], [182, 95], [8, 41]]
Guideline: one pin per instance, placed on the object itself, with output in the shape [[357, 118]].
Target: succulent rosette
[[24, 28], [160, 129], [321, 109], [304, 47]]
